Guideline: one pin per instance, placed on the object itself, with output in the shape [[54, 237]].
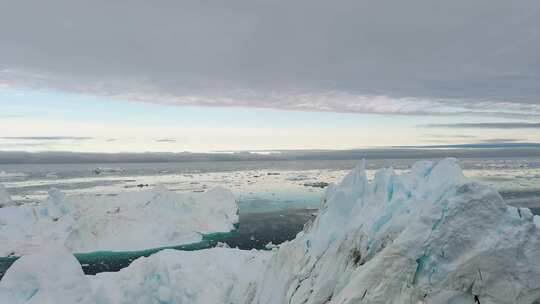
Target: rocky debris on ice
[[5, 198], [428, 236], [130, 221]]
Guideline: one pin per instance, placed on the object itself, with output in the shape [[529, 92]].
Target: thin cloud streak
[[46, 138], [487, 125], [166, 140]]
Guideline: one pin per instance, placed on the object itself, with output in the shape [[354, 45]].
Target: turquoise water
[[255, 231]]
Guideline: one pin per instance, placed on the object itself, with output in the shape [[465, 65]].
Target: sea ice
[[130, 221], [428, 236]]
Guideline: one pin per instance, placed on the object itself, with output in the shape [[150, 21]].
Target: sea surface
[[275, 198]]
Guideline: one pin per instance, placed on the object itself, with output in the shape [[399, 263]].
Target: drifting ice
[[429, 236], [130, 221]]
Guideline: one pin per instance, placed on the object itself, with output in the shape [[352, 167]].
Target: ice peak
[[428, 236]]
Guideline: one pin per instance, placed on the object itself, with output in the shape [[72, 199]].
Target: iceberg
[[429, 236], [127, 222], [426, 236], [217, 275], [48, 276]]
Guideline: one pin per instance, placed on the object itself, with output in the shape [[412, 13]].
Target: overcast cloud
[[398, 57]]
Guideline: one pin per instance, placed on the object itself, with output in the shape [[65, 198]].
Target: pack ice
[[126, 222], [428, 236]]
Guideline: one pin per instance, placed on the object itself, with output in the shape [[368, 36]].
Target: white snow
[[130, 221], [429, 236], [5, 198]]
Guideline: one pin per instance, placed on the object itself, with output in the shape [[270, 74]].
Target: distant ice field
[[259, 186]]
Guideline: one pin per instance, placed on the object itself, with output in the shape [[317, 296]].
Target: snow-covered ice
[[5, 198], [126, 222], [50, 276], [428, 236], [217, 275]]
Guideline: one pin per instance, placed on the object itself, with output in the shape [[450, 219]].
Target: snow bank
[[130, 221], [51, 276], [430, 236], [5, 198]]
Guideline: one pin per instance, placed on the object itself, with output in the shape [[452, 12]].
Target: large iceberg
[[427, 236], [129, 221]]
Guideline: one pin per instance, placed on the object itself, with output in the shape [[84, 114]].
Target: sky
[[138, 76]]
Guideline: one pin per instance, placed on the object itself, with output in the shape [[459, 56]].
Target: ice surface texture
[[429, 236], [130, 221]]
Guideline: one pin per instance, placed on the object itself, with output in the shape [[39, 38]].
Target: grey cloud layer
[[421, 56]]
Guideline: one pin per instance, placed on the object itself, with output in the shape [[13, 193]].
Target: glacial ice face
[[430, 236], [130, 221], [49, 276], [5, 198]]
